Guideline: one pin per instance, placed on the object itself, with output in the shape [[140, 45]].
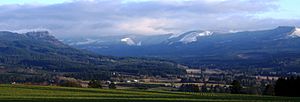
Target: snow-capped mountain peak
[[128, 41], [296, 32], [193, 36], [188, 37]]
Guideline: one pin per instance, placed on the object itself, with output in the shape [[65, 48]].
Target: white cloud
[[145, 26], [114, 17]]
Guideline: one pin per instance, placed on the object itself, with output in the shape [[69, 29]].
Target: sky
[[90, 18]]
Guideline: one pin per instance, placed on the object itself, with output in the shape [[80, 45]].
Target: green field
[[23, 93]]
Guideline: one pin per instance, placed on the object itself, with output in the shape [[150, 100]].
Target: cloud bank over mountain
[[148, 17]]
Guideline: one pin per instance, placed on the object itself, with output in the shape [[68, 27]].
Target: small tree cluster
[[236, 87], [68, 83], [189, 88], [112, 86], [269, 90], [95, 84]]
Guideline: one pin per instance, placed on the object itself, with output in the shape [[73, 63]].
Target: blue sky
[[288, 9], [68, 18]]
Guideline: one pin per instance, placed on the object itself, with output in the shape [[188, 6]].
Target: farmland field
[[25, 93]]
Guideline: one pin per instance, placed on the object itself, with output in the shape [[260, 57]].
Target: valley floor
[[25, 93]]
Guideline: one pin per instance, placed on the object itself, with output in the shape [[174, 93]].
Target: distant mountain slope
[[41, 51], [279, 47], [188, 37]]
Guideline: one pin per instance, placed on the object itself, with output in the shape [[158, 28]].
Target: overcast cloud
[[116, 17]]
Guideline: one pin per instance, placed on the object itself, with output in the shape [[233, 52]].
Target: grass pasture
[[24, 93]]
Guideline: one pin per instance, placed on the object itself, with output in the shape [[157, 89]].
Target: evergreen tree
[[235, 87], [288, 87], [204, 88], [269, 90]]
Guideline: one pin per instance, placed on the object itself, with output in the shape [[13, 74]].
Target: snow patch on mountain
[[88, 41], [174, 36], [139, 44], [296, 33], [192, 37], [128, 41], [23, 31]]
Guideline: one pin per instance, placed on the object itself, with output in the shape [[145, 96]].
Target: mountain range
[[279, 47], [40, 54]]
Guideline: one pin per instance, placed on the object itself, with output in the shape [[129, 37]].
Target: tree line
[[285, 86]]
